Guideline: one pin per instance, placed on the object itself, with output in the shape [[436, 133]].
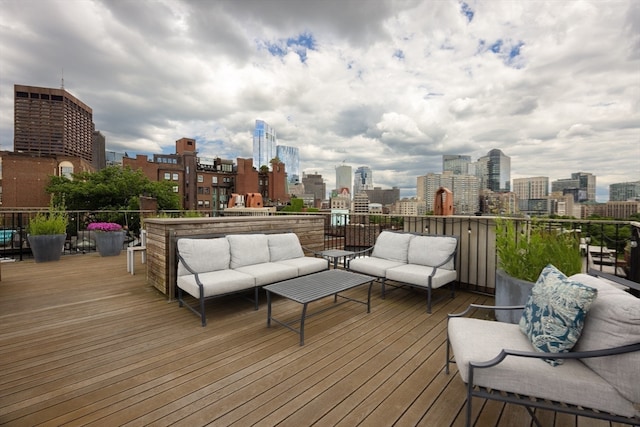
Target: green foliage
[[524, 253], [54, 221], [191, 214], [112, 188], [296, 206]]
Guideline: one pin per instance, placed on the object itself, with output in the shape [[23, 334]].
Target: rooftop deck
[[84, 342]]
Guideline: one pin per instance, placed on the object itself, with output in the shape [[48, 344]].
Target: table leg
[[304, 315], [369, 297], [268, 309]]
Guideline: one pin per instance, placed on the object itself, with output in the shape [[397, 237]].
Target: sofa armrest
[[192, 271], [485, 307], [307, 250], [545, 355]]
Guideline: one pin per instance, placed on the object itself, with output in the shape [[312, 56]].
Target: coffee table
[[313, 287]]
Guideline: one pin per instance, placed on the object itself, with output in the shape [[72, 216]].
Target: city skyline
[[555, 86]]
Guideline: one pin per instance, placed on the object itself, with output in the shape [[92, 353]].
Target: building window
[[214, 179], [167, 176], [175, 188], [206, 203], [200, 178], [175, 176]]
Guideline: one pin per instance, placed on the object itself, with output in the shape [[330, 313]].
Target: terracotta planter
[[47, 247], [109, 243], [511, 291]]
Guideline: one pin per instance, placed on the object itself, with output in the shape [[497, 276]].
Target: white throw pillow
[[248, 249], [203, 255], [284, 246], [392, 246]]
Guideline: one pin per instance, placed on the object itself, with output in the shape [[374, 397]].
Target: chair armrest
[[306, 250], [486, 307], [192, 271], [362, 252], [568, 355]]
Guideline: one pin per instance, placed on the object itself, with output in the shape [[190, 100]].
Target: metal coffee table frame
[[306, 289]]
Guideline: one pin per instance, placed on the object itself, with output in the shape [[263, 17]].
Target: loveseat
[[568, 354], [417, 260], [213, 267]]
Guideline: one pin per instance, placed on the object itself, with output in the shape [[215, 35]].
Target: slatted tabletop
[[306, 289]]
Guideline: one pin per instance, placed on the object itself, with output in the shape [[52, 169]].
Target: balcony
[[82, 341]]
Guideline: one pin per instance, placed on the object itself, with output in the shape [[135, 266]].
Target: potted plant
[[109, 237], [47, 232], [522, 254]]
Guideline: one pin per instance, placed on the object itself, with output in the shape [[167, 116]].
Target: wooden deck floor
[[82, 342]]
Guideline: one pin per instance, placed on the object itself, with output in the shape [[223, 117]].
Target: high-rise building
[[496, 176], [465, 191], [264, 144], [290, 156], [363, 180], [314, 184], [533, 194], [624, 191], [51, 122], [581, 185], [456, 163], [343, 179]]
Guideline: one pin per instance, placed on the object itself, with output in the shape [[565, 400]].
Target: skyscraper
[[343, 178], [456, 163], [581, 185], [264, 144], [363, 180], [51, 121], [496, 176], [290, 156], [623, 191]]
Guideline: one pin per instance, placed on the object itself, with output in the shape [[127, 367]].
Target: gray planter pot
[[47, 247], [510, 291], [109, 243]]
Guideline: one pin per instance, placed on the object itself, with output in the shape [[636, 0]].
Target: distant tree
[[112, 188]]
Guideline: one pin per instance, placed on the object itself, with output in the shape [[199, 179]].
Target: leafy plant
[[54, 221], [523, 253]]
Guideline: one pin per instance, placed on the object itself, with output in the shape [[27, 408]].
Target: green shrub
[[524, 253], [53, 222]]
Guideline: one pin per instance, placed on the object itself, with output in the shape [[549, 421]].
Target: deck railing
[[610, 246]]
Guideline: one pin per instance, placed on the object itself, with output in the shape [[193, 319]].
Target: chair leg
[[382, 288]]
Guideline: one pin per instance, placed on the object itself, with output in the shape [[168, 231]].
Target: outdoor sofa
[[409, 259], [599, 374], [218, 266]]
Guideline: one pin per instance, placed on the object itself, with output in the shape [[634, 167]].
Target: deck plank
[[85, 343]]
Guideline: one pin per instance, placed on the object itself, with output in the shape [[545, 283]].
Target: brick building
[[24, 177]]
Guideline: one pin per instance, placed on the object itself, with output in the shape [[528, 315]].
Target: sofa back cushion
[[432, 251], [248, 249], [392, 246], [203, 255], [284, 246], [613, 321]]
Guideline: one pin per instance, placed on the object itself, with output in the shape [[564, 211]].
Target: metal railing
[[611, 246]]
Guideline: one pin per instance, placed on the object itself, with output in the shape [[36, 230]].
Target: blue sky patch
[[466, 10], [300, 45], [399, 54]]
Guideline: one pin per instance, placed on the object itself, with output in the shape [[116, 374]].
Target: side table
[[334, 254]]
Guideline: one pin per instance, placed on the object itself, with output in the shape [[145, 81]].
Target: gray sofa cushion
[[572, 382], [217, 283], [419, 275], [248, 249], [284, 246], [203, 255], [613, 320], [372, 266], [306, 264], [431, 251], [392, 246], [269, 272]]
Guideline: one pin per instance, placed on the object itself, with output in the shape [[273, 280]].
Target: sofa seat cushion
[[216, 283], [432, 251], [373, 266], [203, 255], [392, 246], [476, 340], [553, 317], [419, 275], [306, 264], [269, 272], [613, 321], [284, 246], [248, 249]]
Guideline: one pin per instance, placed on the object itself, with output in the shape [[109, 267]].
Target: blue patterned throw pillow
[[554, 315]]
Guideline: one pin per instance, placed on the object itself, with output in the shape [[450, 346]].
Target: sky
[[392, 85]]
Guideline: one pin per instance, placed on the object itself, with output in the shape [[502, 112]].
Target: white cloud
[[556, 87]]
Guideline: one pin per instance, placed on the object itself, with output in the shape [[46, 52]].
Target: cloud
[[392, 87]]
